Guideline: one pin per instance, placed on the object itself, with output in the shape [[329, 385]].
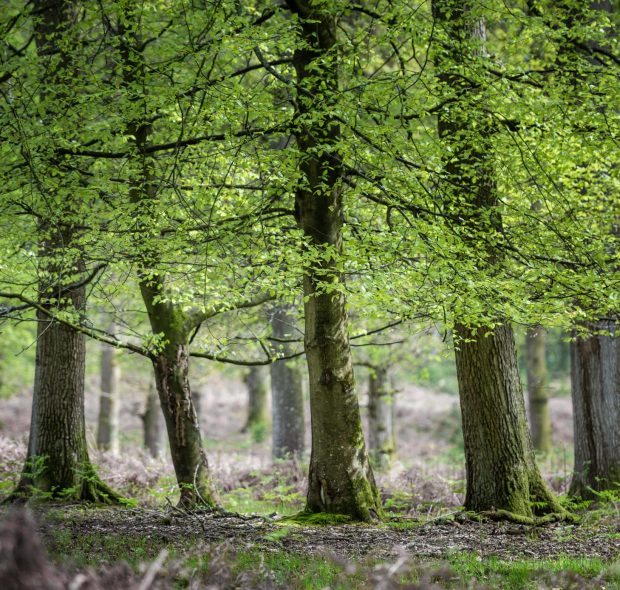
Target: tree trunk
[[171, 367], [340, 478], [109, 400], [595, 376], [381, 442], [152, 421], [287, 399], [57, 463], [538, 392], [258, 410], [501, 469]]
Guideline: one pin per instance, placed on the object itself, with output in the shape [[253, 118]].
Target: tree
[[258, 411], [595, 389], [502, 474], [109, 400], [57, 461], [340, 476], [538, 392], [287, 402], [381, 439], [152, 423]]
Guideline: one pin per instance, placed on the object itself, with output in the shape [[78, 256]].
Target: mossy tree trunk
[[537, 390], [340, 477], [502, 474], [109, 400], [595, 377], [258, 407], [57, 462], [501, 469], [381, 441], [152, 422], [287, 399]]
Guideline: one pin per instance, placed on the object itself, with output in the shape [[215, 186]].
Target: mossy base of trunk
[[307, 518], [506, 515], [88, 488], [193, 498]]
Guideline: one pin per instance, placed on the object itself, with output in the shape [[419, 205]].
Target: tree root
[[508, 516], [97, 492]]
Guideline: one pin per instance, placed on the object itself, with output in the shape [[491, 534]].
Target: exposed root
[[508, 516]]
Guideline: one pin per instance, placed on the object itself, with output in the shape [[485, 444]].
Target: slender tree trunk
[[500, 464], [381, 442], [109, 400], [171, 367], [57, 462], [595, 375], [258, 410], [340, 477], [538, 392], [152, 421], [287, 399]]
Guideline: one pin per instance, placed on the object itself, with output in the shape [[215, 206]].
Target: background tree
[[595, 387], [109, 400], [537, 388], [287, 402]]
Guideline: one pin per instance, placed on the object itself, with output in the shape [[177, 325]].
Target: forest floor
[[140, 548], [251, 543]]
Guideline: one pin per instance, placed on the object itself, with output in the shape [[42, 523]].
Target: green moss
[[317, 519]]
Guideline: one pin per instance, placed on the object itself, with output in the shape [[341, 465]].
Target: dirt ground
[[434, 539]]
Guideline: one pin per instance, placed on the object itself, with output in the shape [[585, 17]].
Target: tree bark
[[152, 421], [340, 476], [109, 400], [595, 377], [57, 462], [287, 400], [258, 410], [501, 469], [538, 392], [381, 441]]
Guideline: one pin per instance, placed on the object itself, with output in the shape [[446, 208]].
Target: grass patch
[[560, 572], [297, 571]]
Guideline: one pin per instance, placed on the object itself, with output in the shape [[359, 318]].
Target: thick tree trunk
[[57, 463], [258, 409], [538, 392], [153, 424], [287, 399], [595, 375], [109, 401], [340, 478], [501, 470], [381, 442]]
